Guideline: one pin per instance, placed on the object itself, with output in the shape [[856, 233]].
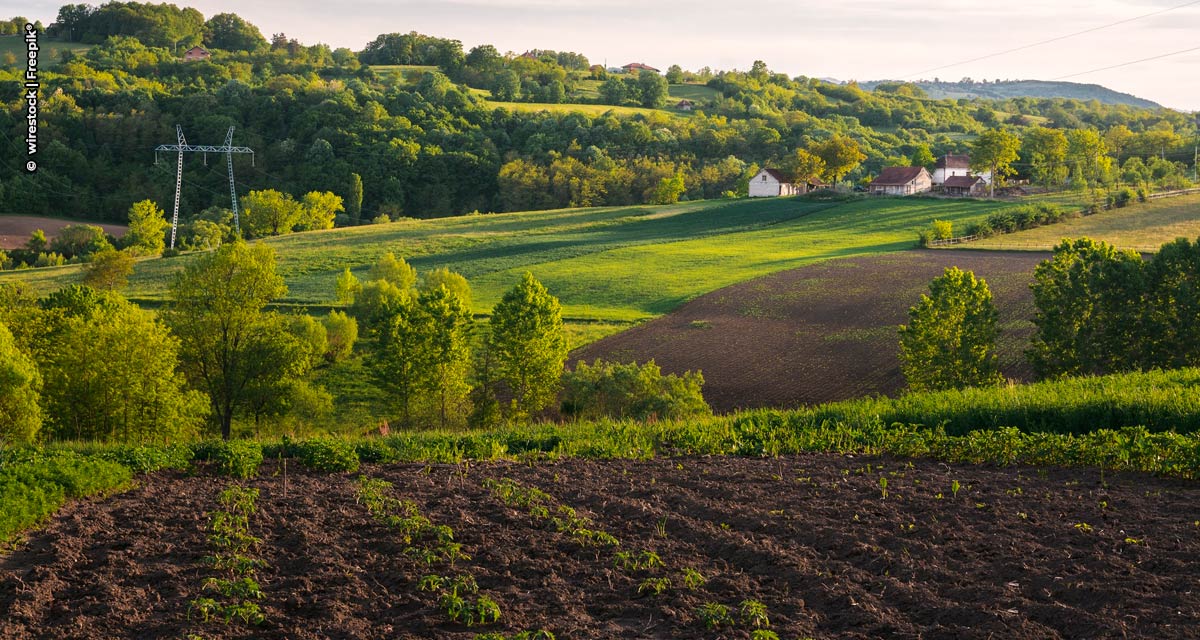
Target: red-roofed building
[[964, 186], [901, 181], [635, 67], [196, 53]]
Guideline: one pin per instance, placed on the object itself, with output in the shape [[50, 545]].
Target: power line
[[1056, 39], [1131, 62]]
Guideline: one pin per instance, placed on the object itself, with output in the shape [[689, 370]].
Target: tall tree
[[354, 199], [227, 339], [950, 339], [147, 229], [230, 32], [109, 270], [995, 150], [1045, 150], [528, 347], [803, 166], [654, 89], [318, 209], [270, 213], [840, 154], [446, 325], [1087, 156], [20, 386]]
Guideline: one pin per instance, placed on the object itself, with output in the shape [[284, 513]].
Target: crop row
[[233, 589]]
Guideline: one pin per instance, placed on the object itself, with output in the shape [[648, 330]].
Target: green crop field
[[694, 92], [616, 264], [1143, 227]]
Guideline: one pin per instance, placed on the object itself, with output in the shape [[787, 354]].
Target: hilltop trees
[[950, 339]]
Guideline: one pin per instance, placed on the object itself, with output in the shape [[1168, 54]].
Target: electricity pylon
[[182, 146]]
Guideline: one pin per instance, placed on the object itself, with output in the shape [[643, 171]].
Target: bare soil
[[1013, 553], [820, 333], [15, 230]]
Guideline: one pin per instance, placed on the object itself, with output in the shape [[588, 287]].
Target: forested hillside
[[407, 126]]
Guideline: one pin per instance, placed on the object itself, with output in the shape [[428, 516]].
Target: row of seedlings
[[232, 593], [432, 545]]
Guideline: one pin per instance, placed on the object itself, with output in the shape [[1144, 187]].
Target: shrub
[[234, 458], [1123, 197], [606, 389], [35, 489], [328, 455]]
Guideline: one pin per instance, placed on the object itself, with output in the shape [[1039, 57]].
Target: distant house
[[635, 67], [951, 165], [964, 186], [685, 105], [196, 53], [768, 183], [901, 181]]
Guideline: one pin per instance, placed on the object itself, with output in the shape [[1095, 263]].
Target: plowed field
[[819, 333], [15, 230], [938, 551]]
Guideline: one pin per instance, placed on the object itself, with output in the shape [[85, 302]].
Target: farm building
[[901, 181], [635, 67], [769, 183], [685, 105], [196, 53], [964, 186], [951, 165]]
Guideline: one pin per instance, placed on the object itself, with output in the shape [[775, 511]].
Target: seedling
[[754, 614], [693, 579], [431, 583], [654, 586], [713, 615], [1084, 527], [763, 634], [883, 487], [661, 527], [954, 487]]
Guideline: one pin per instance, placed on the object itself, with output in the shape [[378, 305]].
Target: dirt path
[[1013, 553]]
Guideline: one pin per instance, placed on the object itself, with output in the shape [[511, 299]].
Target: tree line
[[1098, 310]]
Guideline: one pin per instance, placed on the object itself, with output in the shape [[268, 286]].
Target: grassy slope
[[47, 56], [1144, 227], [613, 264]]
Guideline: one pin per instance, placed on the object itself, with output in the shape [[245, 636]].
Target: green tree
[[446, 327], [631, 391], [803, 166], [318, 210], [454, 282], [950, 339], [112, 375], [1045, 150], [109, 270], [37, 242], [654, 89], [674, 74], [995, 150], [394, 270], [1088, 299], [669, 189], [399, 355], [527, 344], [1172, 307], [341, 332], [230, 32], [147, 229], [1088, 157], [270, 213], [354, 199], [840, 154], [922, 157], [227, 340], [348, 287], [20, 386], [1116, 139]]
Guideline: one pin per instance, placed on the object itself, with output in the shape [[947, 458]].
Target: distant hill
[[1025, 88]]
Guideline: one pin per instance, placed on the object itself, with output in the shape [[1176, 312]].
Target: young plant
[[654, 586], [714, 615], [754, 614], [693, 579]]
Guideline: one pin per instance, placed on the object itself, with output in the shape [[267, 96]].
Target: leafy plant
[[714, 615], [693, 579], [754, 614], [654, 586]]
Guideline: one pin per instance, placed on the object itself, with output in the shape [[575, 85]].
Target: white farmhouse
[[951, 165], [901, 181], [769, 183]]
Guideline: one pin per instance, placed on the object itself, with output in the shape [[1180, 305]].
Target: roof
[[640, 66], [951, 161], [962, 182], [778, 175], [197, 48], [685, 101], [897, 176]]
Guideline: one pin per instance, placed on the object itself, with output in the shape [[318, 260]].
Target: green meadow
[[614, 264]]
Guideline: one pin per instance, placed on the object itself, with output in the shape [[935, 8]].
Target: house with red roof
[[635, 67], [901, 181]]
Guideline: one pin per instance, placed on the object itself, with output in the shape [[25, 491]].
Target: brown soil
[[15, 230], [1017, 553], [819, 333]]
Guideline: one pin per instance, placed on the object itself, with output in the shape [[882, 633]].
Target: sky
[[842, 39]]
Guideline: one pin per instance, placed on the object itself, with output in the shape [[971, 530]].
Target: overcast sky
[[844, 39]]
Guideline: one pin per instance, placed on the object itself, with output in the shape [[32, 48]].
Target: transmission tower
[[182, 147]]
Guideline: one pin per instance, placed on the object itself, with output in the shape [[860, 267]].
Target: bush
[[641, 392], [234, 458], [328, 455], [1123, 197]]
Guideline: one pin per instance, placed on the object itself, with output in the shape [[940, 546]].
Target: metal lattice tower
[[182, 146]]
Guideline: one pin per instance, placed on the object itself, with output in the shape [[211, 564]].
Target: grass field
[[48, 55], [610, 264], [1143, 227], [694, 92]]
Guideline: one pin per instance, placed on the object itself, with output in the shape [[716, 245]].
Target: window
[[764, 177]]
